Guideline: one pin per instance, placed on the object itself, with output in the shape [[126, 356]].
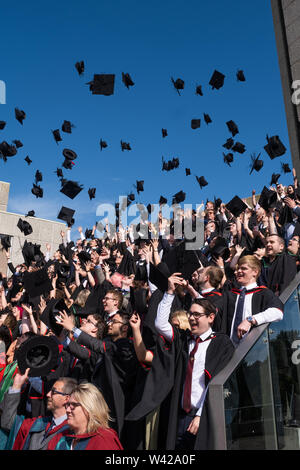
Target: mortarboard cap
[[56, 135], [232, 127], [275, 147], [37, 282], [162, 200], [267, 199], [8, 150], [30, 214], [178, 197], [285, 167], [199, 90], [138, 300], [59, 173], [228, 158], [236, 206], [164, 132], [188, 261], [67, 127], [39, 353], [69, 154], [71, 188], [275, 178], [187, 172], [220, 248], [217, 80], [88, 233], [68, 164], [66, 214], [18, 143], [257, 164], [178, 84], [24, 226], [38, 176], [5, 240], [131, 197], [140, 186], [125, 146], [239, 147], [229, 143], [92, 192], [240, 76], [52, 309], [37, 191], [195, 123], [158, 275], [126, 79], [285, 216], [202, 181], [27, 160], [102, 84], [103, 144], [80, 67], [207, 118], [20, 115], [2, 125]]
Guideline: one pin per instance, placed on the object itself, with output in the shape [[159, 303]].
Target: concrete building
[[44, 231], [286, 18]]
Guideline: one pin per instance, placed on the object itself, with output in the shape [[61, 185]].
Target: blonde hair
[[92, 401], [82, 297], [182, 318], [252, 261]]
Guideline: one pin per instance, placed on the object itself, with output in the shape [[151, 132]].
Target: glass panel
[[284, 337], [248, 402]]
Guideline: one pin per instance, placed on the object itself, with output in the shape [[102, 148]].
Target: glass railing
[[254, 402]]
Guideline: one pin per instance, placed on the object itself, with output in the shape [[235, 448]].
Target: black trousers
[[185, 440]]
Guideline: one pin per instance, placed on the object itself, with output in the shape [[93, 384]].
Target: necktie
[[188, 381], [238, 316]]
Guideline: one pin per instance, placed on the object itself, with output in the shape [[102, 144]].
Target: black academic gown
[[278, 274]]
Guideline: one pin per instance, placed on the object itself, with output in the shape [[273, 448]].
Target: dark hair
[[207, 306]]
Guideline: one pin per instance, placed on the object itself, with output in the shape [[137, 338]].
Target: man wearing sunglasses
[[36, 433], [199, 354]]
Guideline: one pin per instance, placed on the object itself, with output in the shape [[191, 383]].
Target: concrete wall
[[286, 18]]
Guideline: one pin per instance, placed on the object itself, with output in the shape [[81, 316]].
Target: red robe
[[102, 439]]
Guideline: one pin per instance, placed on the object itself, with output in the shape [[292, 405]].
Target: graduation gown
[[278, 274]]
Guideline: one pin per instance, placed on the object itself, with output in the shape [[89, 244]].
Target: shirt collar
[[204, 291], [60, 419], [251, 286]]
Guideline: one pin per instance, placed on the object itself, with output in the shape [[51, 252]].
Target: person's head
[[93, 325], [211, 276], [260, 214], [294, 245], [59, 395], [9, 321], [86, 409], [118, 258], [247, 270], [210, 228], [82, 297], [179, 319], [118, 326], [210, 214], [95, 257], [112, 301], [16, 311], [201, 316], [280, 189], [232, 227], [290, 190], [274, 245], [209, 206]]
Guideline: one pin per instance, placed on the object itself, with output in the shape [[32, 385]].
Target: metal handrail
[[215, 396]]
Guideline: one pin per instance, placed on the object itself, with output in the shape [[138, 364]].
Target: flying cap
[[275, 178], [158, 275], [125, 146], [267, 199], [53, 307], [2, 125], [30, 214], [178, 197], [228, 158], [24, 226], [56, 135], [27, 160], [102, 84], [202, 181], [37, 191], [80, 67], [285, 167], [162, 201], [68, 164], [92, 192], [140, 186], [274, 147], [20, 115], [229, 143], [199, 90], [38, 353], [37, 282], [236, 206], [240, 76], [66, 214], [164, 132], [103, 144], [69, 154], [195, 123], [220, 248], [8, 150], [257, 164], [5, 240], [32, 252], [239, 147], [59, 172], [38, 176], [18, 143], [71, 188], [207, 118], [187, 172], [217, 80], [126, 79], [232, 127], [178, 84], [67, 127]]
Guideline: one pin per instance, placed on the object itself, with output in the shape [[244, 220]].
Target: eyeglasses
[[108, 298], [196, 315], [113, 322], [72, 405], [53, 391], [87, 320]]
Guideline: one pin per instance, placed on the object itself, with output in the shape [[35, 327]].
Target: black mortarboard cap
[[103, 144], [69, 154], [67, 127], [267, 199], [24, 226], [32, 252], [202, 181], [232, 127], [140, 186], [162, 200], [131, 197], [30, 214], [239, 147], [285, 167], [88, 233], [220, 248], [39, 353], [285, 216], [138, 300], [80, 67], [229, 143], [56, 135], [164, 132], [127, 80], [37, 191], [275, 178], [102, 84], [38, 176], [236, 206], [20, 115], [240, 76], [257, 164], [187, 172], [188, 261], [217, 202], [125, 146], [53, 307], [274, 147], [178, 197], [195, 123], [178, 84], [37, 282], [59, 173], [71, 188], [2, 125], [228, 158], [92, 192], [199, 90], [217, 80], [207, 118], [5, 240], [66, 214], [27, 160], [8, 150], [68, 164], [18, 143], [158, 275]]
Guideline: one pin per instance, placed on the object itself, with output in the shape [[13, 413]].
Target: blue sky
[[153, 41]]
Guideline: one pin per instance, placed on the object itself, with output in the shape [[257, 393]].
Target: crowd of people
[[111, 343]]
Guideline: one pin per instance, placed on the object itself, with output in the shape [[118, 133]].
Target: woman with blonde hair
[[88, 420], [179, 319]]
